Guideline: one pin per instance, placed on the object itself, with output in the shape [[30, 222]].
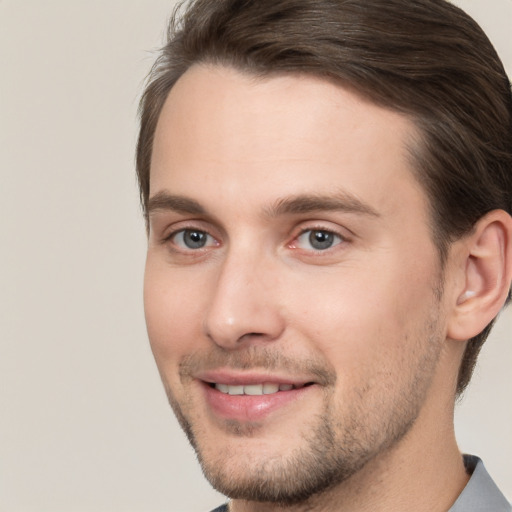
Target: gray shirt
[[480, 494]]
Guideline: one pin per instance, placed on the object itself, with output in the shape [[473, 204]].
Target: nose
[[244, 308]]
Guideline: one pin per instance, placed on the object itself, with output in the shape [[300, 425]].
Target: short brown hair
[[426, 59]]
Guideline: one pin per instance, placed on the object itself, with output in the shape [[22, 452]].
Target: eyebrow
[[306, 203], [163, 201], [300, 204]]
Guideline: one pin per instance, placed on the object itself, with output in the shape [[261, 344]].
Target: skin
[[366, 321]]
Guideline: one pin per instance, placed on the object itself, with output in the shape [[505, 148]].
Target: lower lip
[[250, 408]]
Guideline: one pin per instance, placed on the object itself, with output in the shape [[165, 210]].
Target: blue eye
[[192, 239], [318, 239]]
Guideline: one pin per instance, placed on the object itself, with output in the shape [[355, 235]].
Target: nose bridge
[[243, 305]]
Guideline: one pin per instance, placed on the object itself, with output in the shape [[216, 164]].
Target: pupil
[[194, 239], [321, 239]]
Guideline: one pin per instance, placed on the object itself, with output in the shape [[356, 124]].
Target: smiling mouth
[[267, 388]]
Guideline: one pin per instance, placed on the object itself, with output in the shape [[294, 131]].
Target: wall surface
[[84, 421]]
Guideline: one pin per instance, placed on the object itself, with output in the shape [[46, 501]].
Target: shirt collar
[[481, 493]]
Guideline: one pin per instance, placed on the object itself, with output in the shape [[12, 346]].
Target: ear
[[486, 264]]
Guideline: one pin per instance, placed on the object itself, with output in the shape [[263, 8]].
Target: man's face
[[292, 290]]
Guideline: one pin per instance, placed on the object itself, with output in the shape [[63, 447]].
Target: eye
[[192, 239], [317, 239]]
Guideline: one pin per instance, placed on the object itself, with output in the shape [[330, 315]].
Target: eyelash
[[336, 239], [332, 236], [191, 230]]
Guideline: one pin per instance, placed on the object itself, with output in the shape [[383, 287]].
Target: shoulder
[[222, 508]]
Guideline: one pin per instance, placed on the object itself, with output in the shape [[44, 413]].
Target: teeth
[[236, 390], [224, 388], [267, 388], [270, 389], [254, 389]]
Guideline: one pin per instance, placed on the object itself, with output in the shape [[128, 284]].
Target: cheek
[[362, 316], [172, 311]]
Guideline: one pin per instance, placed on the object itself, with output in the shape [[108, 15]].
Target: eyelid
[[344, 236], [171, 228], [329, 227], [199, 225], [183, 246], [337, 239]]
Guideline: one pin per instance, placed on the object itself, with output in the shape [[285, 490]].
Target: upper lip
[[237, 378]]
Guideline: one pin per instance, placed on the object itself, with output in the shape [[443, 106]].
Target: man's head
[[322, 182], [425, 59]]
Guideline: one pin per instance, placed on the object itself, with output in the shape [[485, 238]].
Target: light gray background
[[84, 423]]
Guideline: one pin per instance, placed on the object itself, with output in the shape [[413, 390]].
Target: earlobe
[[487, 267]]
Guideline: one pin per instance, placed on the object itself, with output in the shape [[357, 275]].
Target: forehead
[[242, 136]]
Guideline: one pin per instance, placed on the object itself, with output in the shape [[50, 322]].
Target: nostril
[[251, 335]]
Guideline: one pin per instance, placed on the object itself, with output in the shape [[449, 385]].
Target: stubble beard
[[333, 449]]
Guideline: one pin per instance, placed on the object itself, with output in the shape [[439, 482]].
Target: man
[[328, 187]]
